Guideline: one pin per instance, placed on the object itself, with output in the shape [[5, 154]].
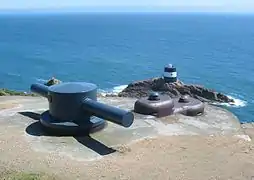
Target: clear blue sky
[[220, 5]]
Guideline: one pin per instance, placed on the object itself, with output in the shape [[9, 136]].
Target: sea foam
[[113, 91], [41, 80], [238, 103]]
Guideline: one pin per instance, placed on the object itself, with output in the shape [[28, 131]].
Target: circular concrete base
[[61, 128]]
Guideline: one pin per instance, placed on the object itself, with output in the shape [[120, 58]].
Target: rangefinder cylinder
[[76, 102], [40, 89], [110, 113]]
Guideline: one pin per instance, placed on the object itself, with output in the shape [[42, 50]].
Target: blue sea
[[112, 50]]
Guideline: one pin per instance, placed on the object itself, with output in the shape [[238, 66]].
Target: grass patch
[[7, 92], [25, 176]]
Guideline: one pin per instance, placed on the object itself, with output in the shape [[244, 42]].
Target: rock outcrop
[[143, 88], [52, 81]]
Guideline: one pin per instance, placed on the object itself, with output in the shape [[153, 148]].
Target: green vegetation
[[8, 92], [25, 176]]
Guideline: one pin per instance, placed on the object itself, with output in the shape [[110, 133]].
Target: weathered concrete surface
[[21, 117], [248, 128]]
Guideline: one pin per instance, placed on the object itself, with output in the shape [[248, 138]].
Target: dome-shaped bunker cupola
[[188, 106], [155, 104]]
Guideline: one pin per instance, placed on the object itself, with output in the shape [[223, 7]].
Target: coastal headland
[[213, 145]]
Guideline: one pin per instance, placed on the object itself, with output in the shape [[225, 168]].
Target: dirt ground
[[166, 158], [199, 157]]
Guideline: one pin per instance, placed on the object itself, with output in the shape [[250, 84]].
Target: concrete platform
[[20, 115]]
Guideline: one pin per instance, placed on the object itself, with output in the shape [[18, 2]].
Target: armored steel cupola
[[184, 99], [154, 96]]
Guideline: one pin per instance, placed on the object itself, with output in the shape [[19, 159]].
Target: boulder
[[143, 88], [52, 81]]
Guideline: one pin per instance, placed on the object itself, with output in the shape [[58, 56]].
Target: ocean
[[113, 50]]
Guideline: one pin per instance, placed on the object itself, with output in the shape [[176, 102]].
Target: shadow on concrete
[[95, 145], [32, 115], [36, 129]]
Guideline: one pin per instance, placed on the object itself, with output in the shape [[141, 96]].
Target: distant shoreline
[[8, 92], [126, 12]]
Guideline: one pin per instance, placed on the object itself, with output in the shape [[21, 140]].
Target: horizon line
[[131, 9], [125, 12]]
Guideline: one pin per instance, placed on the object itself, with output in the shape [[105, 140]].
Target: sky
[[129, 5]]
